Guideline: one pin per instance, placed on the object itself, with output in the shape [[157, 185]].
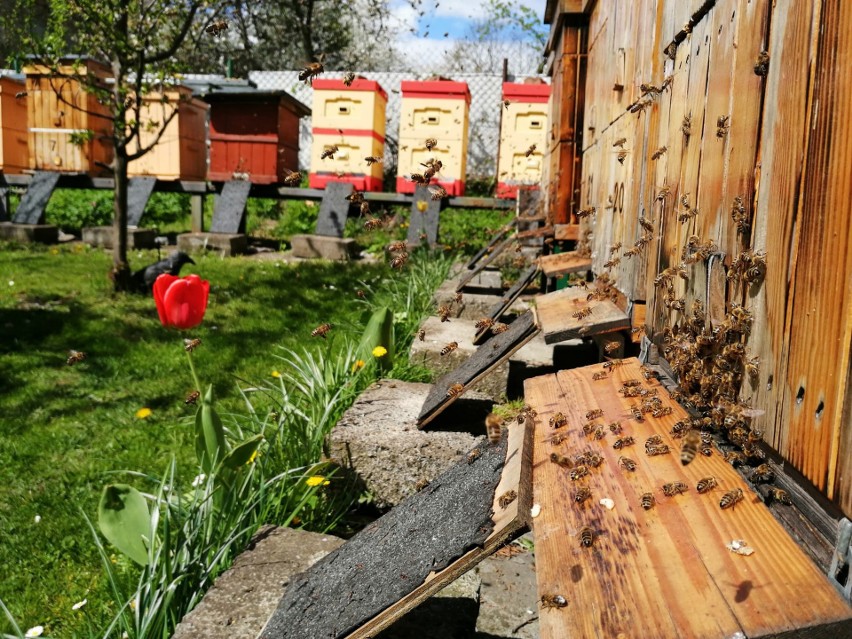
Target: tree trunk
[[120, 268]]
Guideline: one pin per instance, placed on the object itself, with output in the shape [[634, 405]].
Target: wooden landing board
[[499, 235], [526, 278], [482, 264], [416, 549], [563, 263], [666, 572], [563, 232], [488, 356], [555, 315]]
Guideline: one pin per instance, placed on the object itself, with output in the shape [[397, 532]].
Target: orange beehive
[[69, 130], [353, 119], [181, 152], [14, 157], [437, 109], [524, 124]]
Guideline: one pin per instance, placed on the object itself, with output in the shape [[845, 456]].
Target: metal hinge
[[841, 561]]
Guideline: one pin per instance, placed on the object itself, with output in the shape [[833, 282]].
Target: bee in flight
[[396, 247], [321, 330], [449, 348], [399, 260], [190, 345], [611, 347], [373, 159], [431, 143], [438, 192], [689, 446], [216, 28], [485, 322], [530, 150], [329, 151], [75, 357], [494, 427], [310, 71], [348, 78], [192, 398], [444, 313], [372, 223], [293, 178]]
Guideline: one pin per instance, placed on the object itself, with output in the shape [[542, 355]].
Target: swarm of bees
[[321, 330], [216, 28], [75, 357], [310, 71]]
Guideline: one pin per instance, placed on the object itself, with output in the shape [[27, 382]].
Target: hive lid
[[358, 84], [526, 92], [435, 89]]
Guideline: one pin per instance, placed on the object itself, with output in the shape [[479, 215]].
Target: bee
[[689, 446], [637, 414], [558, 438], [679, 428], [686, 126], [731, 498], [653, 440], [761, 68], [593, 459], [329, 151], [621, 442], [312, 70], [449, 348], [661, 411], [627, 464], [399, 260], [373, 159], [75, 357], [499, 327], [722, 126], [438, 192], [455, 390], [530, 150], [444, 313], [553, 601], [485, 322], [582, 313], [646, 224], [705, 485], [735, 458], [293, 178], [762, 474], [395, 247], [615, 428], [321, 330], [599, 376], [674, 488], [663, 194], [493, 428], [579, 472], [458, 297], [192, 398], [780, 495], [613, 363], [586, 212], [348, 78], [589, 428], [431, 143], [594, 414], [418, 178], [364, 209], [582, 494], [613, 262], [656, 155], [614, 248], [600, 433], [507, 498], [647, 500], [619, 142], [659, 449], [558, 420], [190, 345], [473, 455], [622, 155], [587, 537], [216, 28], [505, 103], [706, 450], [611, 347], [560, 460]]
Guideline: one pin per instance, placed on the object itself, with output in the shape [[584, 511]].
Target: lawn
[[66, 430]]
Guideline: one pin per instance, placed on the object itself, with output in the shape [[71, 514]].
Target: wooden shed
[[14, 156], [252, 131], [181, 152], [523, 136], [69, 130]]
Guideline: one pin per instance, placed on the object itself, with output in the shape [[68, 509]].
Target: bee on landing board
[[627, 464], [582, 494], [689, 446], [473, 455], [674, 488], [455, 390], [587, 537], [647, 500], [553, 601], [731, 498], [779, 495], [507, 498], [705, 485], [594, 413]]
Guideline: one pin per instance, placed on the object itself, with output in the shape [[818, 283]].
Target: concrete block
[[377, 438], [226, 244], [244, 597], [102, 236], [486, 281], [324, 247], [29, 233], [462, 331]]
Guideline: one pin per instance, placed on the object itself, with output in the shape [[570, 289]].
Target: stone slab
[[139, 191], [31, 208], [324, 247], [28, 233], [487, 280], [334, 209], [244, 597], [423, 225], [378, 440], [229, 208], [227, 244], [102, 236]]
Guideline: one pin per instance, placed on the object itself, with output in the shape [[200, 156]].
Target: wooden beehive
[[14, 157], [737, 149], [437, 109], [524, 124], [353, 119], [181, 152], [69, 130]]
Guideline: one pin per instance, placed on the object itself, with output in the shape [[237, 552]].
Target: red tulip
[[181, 301]]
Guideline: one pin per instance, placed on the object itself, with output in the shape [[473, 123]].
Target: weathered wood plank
[[482, 264], [563, 263], [555, 315], [564, 232], [526, 278], [700, 588]]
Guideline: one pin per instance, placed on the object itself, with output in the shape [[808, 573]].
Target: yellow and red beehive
[[352, 118], [14, 156], [524, 124], [437, 109]]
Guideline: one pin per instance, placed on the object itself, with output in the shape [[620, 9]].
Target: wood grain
[[664, 572], [563, 263], [555, 312]]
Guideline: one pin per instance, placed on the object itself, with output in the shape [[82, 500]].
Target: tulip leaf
[[379, 332], [210, 444], [241, 454], [124, 520]]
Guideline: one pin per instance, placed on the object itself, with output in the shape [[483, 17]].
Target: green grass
[[66, 430]]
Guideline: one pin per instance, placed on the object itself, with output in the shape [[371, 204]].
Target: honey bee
[[761, 68], [705, 485], [656, 155], [622, 155], [600, 433], [592, 459], [216, 28], [653, 440], [589, 428], [579, 472], [329, 151], [689, 446], [455, 390], [582, 494], [473, 455], [722, 126], [560, 460], [449, 348], [582, 313], [395, 247], [190, 345], [619, 142], [558, 420], [312, 70], [731, 498], [686, 126], [615, 428], [493, 428], [646, 224], [399, 260], [75, 357], [587, 537], [458, 297], [661, 412], [499, 327], [558, 438], [674, 488], [192, 398], [599, 376], [485, 322], [438, 192], [444, 313], [586, 212], [365, 208], [530, 150], [348, 78], [553, 601], [647, 500], [507, 498], [613, 363], [611, 347], [293, 178], [613, 262], [735, 458], [780, 495], [373, 223], [594, 414], [526, 411], [658, 449], [614, 248], [679, 428], [637, 414], [706, 450], [627, 464], [762, 474], [373, 159], [621, 442], [431, 143]]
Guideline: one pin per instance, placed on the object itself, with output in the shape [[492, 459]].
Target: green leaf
[[124, 520], [242, 453], [210, 444], [379, 332]]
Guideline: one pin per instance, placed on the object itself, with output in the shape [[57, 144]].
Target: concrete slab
[[243, 598], [486, 281], [377, 438], [324, 247], [508, 602], [102, 236], [226, 244], [29, 233]]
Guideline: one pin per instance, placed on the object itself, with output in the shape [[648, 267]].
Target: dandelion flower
[[199, 479], [254, 456], [380, 351], [79, 604], [143, 413], [317, 480], [358, 365], [276, 374], [35, 631]]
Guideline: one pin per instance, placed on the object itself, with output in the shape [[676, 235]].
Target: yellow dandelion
[[254, 456], [380, 351], [143, 413], [358, 365], [422, 205], [276, 374], [316, 480]]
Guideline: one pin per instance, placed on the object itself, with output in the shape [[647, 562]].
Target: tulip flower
[[181, 301]]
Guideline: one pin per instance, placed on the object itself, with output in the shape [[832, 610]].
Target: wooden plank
[[555, 312], [487, 357], [526, 278], [664, 572], [484, 263], [562, 232], [563, 263]]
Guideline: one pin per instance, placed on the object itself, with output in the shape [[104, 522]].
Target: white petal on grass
[[35, 631], [79, 604], [198, 480], [37, 519]]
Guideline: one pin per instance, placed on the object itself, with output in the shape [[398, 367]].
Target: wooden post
[[196, 204]]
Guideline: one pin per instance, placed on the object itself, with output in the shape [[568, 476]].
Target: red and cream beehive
[[436, 109], [14, 156], [524, 124], [352, 118]]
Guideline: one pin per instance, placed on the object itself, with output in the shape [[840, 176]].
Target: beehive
[[14, 156], [181, 152], [353, 119], [524, 124], [69, 130], [436, 109]]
